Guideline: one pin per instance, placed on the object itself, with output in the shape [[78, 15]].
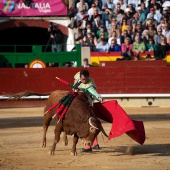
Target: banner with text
[[37, 8]]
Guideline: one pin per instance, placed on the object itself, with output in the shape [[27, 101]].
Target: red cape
[[112, 112]]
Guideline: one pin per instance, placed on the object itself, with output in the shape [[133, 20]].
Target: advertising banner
[[37, 8]]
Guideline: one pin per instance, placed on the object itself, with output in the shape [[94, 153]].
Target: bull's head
[[90, 132]]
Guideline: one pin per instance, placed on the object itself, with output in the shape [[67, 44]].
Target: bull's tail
[[19, 96]]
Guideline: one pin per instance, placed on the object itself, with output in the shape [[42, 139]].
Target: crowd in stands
[[127, 26]]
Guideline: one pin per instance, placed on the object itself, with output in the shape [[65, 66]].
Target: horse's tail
[[19, 96]]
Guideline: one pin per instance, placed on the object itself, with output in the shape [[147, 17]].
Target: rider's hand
[[100, 100]]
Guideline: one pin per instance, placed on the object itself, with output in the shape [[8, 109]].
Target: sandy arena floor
[[21, 135]]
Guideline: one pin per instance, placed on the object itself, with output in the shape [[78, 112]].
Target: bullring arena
[[21, 139]]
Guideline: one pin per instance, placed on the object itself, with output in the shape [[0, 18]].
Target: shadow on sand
[[17, 122], [151, 149]]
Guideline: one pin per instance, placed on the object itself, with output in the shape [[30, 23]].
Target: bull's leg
[[65, 139], [57, 131], [75, 141], [47, 120]]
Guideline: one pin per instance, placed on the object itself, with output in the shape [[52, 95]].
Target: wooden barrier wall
[[114, 77]]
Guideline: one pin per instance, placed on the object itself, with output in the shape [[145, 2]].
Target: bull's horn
[[90, 123], [103, 131]]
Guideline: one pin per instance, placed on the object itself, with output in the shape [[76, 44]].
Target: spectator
[[102, 30], [86, 63], [99, 4], [80, 4], [109, 22], [152, 3], [88, 27], [120, 11], [157, 37], [133, 3], [129, 34], [110, 5], [166, 19], [114, 36], [144, 9], [90, 40], [105, 16], [114, 28], [157, 13], [128, 14], [151, 46], [142, 14], [138, 29], [85, 8], [165, 12], [117, 15], [102, 35], [82, 23], [96, 19], [146, 36], [131, 7], [165, 30], [134, 24], [162, 49], [122, 5], [79, 35], [102, 46], [114, 47], [151, 30], [91, 10], [161, 24], [128, 19], [26, 66], [137, 18], [123, 36], [56, 37], [138, 47], [150, 20], [79, 16], [124, 26], [126, 49]]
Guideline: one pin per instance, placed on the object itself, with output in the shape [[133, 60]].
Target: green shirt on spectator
[[139, 47]]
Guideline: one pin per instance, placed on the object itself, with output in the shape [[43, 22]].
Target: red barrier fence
[[116, 77]]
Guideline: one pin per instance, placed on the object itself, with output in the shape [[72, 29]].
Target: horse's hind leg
[[65, 139]]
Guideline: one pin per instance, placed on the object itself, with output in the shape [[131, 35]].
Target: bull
[[79, 121]]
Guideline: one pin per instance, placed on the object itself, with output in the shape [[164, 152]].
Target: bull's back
[[54, 97]]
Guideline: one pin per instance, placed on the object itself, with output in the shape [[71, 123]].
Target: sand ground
[[21, 136]]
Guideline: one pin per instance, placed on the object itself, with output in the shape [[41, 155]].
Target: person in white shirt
[[80, 5], [166, 30], [91, 10], [134, 3], [114, 36]]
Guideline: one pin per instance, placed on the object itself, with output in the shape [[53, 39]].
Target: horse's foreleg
[[75, 141]]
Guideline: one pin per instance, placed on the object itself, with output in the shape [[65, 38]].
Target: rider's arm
[[94, 93]]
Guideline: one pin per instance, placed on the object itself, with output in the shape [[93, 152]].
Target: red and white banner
[[37, 8]]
